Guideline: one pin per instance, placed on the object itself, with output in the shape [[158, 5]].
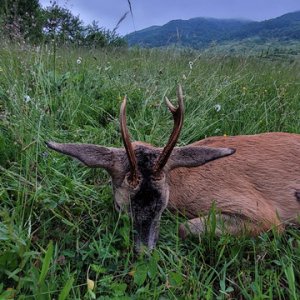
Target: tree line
[[27, 20]]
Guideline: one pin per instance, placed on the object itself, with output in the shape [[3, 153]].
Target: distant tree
[[95, 36], [21, 19], [26, 20], [114, 40], [61, 25]]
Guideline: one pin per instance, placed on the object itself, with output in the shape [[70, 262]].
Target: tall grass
[[59, 234]]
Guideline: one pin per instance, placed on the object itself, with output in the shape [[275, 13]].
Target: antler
[[133, 178], [178, 122]]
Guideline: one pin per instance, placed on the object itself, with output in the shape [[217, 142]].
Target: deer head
[[140, 171]]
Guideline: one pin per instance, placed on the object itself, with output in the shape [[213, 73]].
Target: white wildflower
[[79, 60], [183, 77], [191, 64], [217, 107], [27, 98]]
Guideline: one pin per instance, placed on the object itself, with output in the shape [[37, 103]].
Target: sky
[[158, 12]]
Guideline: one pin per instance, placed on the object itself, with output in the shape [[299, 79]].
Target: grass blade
[[66, 290], [46, 263]]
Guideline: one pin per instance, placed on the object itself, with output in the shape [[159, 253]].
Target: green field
[[59, 230]]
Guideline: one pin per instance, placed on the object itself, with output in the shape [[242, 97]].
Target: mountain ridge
[[199, 32]]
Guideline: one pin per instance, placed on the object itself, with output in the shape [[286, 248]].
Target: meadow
[[60, 237]]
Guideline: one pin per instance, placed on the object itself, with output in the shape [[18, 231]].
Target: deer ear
[[193, 156], [93, 156]]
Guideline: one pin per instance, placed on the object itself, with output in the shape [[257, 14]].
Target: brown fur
[[253, 181], [258, 182]]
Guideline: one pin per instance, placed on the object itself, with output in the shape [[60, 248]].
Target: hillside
[[286, 27], [200, 32]]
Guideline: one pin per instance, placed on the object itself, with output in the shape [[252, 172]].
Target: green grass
[[59, 229]]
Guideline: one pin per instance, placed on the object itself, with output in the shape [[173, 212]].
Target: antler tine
[[178, 122], [128, 146], [171, 107]]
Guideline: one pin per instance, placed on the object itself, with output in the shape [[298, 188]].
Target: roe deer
[[255, 186]]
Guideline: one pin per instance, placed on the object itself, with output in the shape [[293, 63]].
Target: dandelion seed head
[[79, 60], [217, 107], [27, 98]]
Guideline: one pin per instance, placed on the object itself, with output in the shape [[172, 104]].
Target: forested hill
[[286, 27], [200, 32]]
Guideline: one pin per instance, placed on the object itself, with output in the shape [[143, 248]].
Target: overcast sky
[[158, 12]]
